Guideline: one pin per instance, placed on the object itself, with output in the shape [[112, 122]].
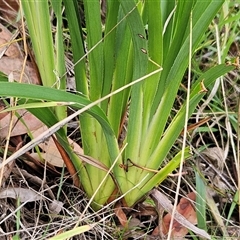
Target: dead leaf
[[55, 207], [114, 195], [9, 9], [12, 60], [7, 171], [14, 65], [68, 162], [11, 50], [216, 156], [30, 123], [2, 115], [121, 215], [35, 180], [162, 200], [186, 209], [24, 195], [145, 209], [50, 151]]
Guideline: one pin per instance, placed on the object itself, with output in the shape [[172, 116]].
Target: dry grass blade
[[93, 162], [74, 232]]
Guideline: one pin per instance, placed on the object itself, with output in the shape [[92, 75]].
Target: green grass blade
[[59, 48], [201, 203], [233, 205], [165, 171], [60, 70], [155, 38], [109, 48], [39, 26], [122, 74], [35, 92], [167, 10], [94, 36], [73, 232], [74, 24]]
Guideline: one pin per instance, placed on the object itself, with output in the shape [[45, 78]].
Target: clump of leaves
[[150, 41]]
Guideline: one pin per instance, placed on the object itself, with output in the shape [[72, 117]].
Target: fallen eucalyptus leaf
[[166, 204], [24, 195], [55, 207]]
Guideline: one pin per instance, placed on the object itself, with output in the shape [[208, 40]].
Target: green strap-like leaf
[[35, 92], [39, 26]]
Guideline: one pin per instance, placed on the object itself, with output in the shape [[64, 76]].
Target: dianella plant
[[148, 41]]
